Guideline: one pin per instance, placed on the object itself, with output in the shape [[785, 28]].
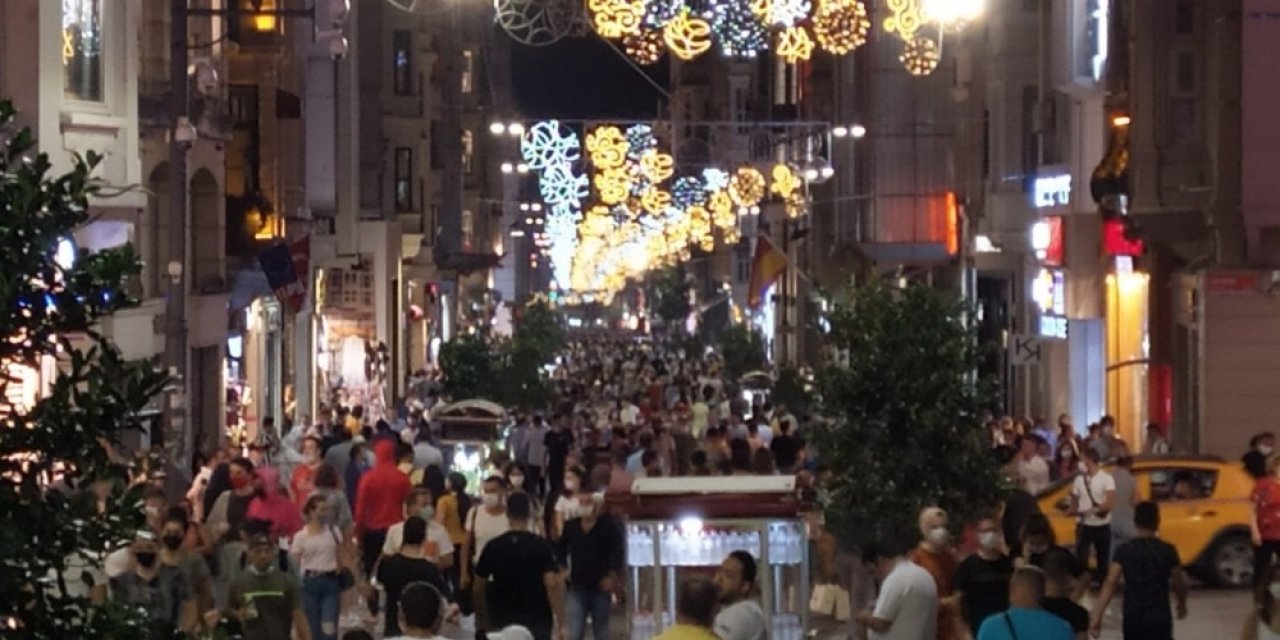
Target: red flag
[[300, 252], [766, 266]]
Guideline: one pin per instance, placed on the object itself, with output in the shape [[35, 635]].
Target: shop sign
[[1049, 291], [1047, 240], [1051, 191], [1231, 282]]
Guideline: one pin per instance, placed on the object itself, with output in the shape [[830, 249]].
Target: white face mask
[[492, 500], [939, 535], [517, 481], [1265, 449], [571, 485], [987, 539], [1274, 589]]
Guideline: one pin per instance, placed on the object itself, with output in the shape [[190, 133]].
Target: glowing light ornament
[[687, 191], [612, 185], [607, 147], [904, 19], [640, 139], [795, 45], [615, 19], [657, 166], [841, 26], [562, 232], [655, 200], [546, 143], [644, 46], [785, 180], [951, 14], [737, 29], [920, 56], [781, 13], [560, 185], [686, 36], [715, 179], [746, 188], [732, 236], [721, 207], [795, 204]]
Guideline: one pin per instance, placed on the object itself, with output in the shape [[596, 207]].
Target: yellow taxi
[[1204, 512]]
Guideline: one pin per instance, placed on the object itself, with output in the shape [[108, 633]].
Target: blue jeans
[[321, 596], [582, 603]]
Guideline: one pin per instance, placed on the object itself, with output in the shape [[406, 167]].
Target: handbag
[[346, 577]]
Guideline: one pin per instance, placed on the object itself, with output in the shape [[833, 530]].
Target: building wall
[[1240, 360]]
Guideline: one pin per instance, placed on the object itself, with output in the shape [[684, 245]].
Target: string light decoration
[[721, 207], [613, 185], [795, 45], [640, 138], [781, 13], [785, 182], [746, 188], [560, 185], [607, 147], [904, 19], [644, 46], [715, 179], [737, 29], [840, 26], [657, 13], [795, 204], [657, 166], [546, 144], [686, 36], [655, 200], [920, 56], [615, 19], [687, 192]]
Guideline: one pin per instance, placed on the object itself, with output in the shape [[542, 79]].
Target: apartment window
[[437, 162], [404, 179], [82, 49], [468, 229], [1030, 130], [1184, 18], [468, 150], [402, 62], [468, 64], [1182, 99]]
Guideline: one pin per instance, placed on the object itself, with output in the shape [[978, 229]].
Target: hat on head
[[513, 632]]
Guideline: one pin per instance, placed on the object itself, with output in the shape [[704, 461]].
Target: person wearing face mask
[[437, 548], [1040, 545], [936, 556], [1263, 622], [226, 519], [592, 548], [315, 549], [1107, 444], [266, 600], [159, 589], [1265, 525], [1092, 498], [568, 506], [484, 524], [303, 481], [379, 502], [1261, 447], [982, 581], [192, 565]]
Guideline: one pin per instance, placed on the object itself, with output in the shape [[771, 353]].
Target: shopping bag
[[842, 604], [823, 600]]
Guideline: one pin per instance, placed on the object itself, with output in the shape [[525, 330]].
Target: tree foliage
[[538, 332], [789, 390], [670, 290], [742, 350], [907, 432], [57, 457], [466, 366]]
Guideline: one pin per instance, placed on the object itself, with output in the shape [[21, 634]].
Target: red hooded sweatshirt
[[380, 496]]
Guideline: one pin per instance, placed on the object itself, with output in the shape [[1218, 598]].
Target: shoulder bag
[[1008, 621], [346, 577]]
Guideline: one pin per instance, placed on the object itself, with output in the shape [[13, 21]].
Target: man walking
[[379, 502], [1151, 569], [266, 600], [740, 617], [1092, 497], [907, 606], [1026, 617], [409, 566], [592, 547], [523, 582]]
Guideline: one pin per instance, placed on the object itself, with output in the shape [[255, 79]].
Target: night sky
[[583, 78]]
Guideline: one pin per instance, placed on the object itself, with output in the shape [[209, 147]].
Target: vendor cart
[[688, 525], [469, 431]]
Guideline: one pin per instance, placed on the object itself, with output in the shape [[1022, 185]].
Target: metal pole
[[178, 439]]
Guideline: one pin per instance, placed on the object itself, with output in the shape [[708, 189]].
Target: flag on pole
[[767, 264]]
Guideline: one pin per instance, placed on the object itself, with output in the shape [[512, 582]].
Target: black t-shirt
[[514, 565], [1037, 559], [591, 555], [558, 444], [785, 449], [1018, 506], [1255, 463], [1147, 564], [399, 571], [1075, 615], [985, 584]]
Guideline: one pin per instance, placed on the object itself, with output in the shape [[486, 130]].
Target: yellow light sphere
[[841, 25], [613, 185], [657, 167], [607, 147], [687, 37], [794, 45], [615, 19], [785, 180], [746, 187], [644, 46], [796, 205], [920, 56]]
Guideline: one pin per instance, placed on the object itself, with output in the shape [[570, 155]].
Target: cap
[[514, 632]]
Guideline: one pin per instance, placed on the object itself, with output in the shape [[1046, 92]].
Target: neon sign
[[1051, 191]]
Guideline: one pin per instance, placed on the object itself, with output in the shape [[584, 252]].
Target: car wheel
[[1232, 562]]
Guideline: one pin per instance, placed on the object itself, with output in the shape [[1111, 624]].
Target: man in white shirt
[[438, 547], [1033, 471], [740, 617], [1092, 498], [907, 606]]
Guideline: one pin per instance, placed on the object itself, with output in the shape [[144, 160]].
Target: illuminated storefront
[[1128, 348]]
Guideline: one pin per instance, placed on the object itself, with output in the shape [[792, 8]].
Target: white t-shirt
[[1092, 496], [80, 576], [742, 620], [569, 508], [765, 433], [316, 551], [435, 533], [1033, 473], [909, 601], [485, 527]]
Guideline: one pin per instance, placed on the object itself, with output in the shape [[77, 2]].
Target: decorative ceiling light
[[560, 185], [781, 13], [905, 19], [841, 26], [920, 56], [657, 167], [738, 30], [640, 136], [655, 200], [746, 188], [795, 45], [644, 46], [687, 37], [687, 191], [785, 180], [546, 143], [612, 185], [657, 13], [607, 147], [715, 179], [615, 19]]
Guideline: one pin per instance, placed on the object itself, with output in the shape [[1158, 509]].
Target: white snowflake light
[[547, 143]]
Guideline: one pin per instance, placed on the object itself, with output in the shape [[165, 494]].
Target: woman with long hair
[[451, 511]]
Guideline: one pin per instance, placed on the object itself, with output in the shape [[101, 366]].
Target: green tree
[[466, 364], [524, 382], [907, 432], [790, 391], [56, 457], [742, 350], [670, 290], [538, 331]]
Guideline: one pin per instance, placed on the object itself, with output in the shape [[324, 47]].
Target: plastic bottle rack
[[709, 546]]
